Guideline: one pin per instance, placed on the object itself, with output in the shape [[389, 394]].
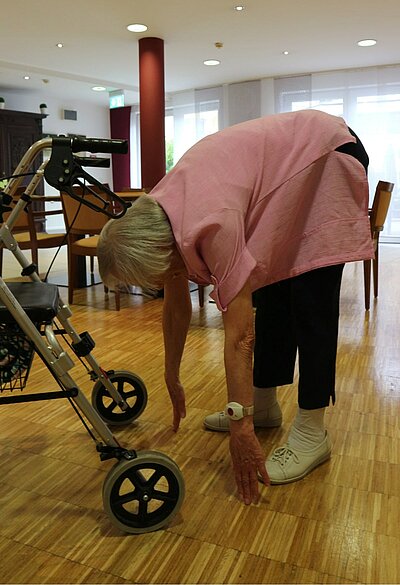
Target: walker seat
[[38, 299]]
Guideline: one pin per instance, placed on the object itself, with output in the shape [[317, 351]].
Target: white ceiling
[[98, 49]]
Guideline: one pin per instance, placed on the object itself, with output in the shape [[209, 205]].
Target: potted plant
[[43, 108], [2, 103]]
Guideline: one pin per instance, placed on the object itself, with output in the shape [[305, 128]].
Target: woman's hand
[[248, 460], [177, 396]]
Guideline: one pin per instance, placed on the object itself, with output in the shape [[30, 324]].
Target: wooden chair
[[201, 295], [377, 216], [25, 230], [83, 226]]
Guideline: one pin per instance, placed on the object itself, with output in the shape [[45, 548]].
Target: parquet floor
[[339, 525]]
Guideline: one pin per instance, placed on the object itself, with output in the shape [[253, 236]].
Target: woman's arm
[[247, 456], [177, 313]]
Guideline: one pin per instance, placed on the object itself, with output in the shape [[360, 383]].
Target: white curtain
[[189, 116], [243, 101], [369, 101]]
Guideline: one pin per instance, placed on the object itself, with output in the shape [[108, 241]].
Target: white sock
[[264, 398], [308, 429]]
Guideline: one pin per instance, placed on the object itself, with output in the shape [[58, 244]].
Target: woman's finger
[[176, 420], [254, 491], [263, 474], [177, 396], [247, 487]]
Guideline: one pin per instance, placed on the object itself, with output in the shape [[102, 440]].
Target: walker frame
[[144, 489]]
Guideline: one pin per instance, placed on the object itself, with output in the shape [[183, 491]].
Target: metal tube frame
[[57, 361]]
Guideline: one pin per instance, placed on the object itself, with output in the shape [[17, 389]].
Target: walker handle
[[114, 146], [87, 161], [64, 171]]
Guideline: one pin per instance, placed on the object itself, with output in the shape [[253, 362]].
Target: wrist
[[243, 426], [171, 377]]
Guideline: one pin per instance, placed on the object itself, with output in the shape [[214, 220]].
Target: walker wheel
[[143, 494], [132, 390]]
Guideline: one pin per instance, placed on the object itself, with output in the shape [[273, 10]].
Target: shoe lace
[[283, 454]]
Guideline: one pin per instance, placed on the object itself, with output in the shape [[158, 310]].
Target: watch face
[[230, 411]]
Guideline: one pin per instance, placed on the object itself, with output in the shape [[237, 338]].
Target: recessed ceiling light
[[98, 88], [211, 62], [239, 8], [285, 52], [59, 45], [137, 28], [366, 43], [26, 77]]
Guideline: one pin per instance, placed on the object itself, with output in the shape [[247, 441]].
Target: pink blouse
[[266, 200]]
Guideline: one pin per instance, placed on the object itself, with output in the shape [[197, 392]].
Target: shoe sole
[[317, 463], [274, 423]]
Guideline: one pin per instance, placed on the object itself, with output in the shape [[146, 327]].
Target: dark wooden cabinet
[[18, 131]]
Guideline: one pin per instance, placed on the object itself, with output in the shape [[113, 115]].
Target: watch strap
[[248, 410]]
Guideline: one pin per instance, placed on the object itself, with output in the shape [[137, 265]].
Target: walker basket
[[39, 300], [16, 355]]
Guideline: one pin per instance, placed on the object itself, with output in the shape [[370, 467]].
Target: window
[[191, 116]]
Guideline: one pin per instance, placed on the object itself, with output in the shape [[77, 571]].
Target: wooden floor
[[339, 525]]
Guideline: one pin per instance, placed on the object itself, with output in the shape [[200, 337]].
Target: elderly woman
[[275, 205]]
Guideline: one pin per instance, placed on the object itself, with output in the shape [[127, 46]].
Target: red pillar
[[152, 110]]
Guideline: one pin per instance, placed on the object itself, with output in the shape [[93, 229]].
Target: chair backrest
[[380, 206], [24, 222], [79, 218]]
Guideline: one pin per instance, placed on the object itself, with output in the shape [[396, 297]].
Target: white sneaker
[[272, 417], [286, 464]]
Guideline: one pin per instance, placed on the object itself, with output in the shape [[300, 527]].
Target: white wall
[[93, 121]]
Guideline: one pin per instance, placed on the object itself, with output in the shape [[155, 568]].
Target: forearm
[[238, 366], [238, 350], [246, 452], [177, 313]]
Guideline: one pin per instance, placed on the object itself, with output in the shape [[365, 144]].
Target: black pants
[[301, 314]]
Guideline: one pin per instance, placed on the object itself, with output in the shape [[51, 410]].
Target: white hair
[[137, 248]]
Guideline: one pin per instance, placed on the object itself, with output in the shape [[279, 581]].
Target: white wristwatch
[[236, 411]]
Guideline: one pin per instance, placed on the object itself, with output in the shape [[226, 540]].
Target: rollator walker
[[144, 490]]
